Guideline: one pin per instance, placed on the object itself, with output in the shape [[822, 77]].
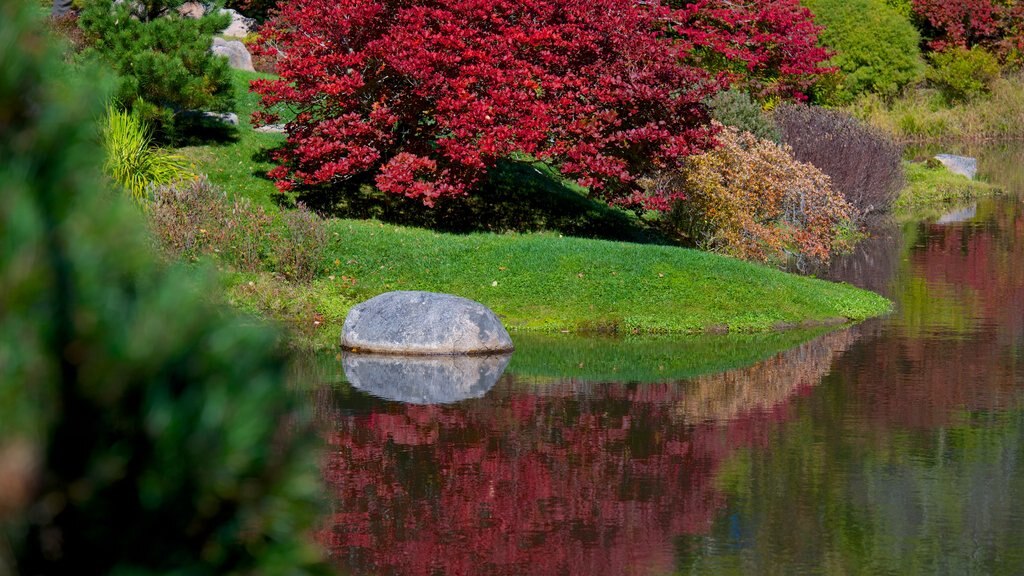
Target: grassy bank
[[545, 282], [930, 191], [235, 159], [923, 115], [535, 282]]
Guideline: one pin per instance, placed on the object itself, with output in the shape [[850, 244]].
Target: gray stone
[[225, 117], [236, 53], [194, 10], [414, 323], [424, 379], [240, 26], [271, 129], [962, 165]]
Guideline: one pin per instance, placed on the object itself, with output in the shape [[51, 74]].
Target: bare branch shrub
[[865, 165]]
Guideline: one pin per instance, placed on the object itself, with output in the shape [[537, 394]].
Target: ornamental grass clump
[[131, 161], [749, 198]]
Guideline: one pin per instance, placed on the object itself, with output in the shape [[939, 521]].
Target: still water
[[894, 447]]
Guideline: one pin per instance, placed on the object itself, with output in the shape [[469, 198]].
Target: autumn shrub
[[961, 74], [864, 164], [193, 219], [876, 48], [737, 109], [749, 198], [299, 252], [768, 48], [422, 98]]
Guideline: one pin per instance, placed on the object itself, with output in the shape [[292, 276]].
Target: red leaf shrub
[[421, 98], [966, 23], [766, 47]]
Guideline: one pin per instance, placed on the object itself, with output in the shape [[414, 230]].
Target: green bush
[[963, 75], [131, 161], [163, 59], [877, 48], [159, 434], [737, 109]]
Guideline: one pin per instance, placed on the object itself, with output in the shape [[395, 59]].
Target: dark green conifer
[[162, 58]]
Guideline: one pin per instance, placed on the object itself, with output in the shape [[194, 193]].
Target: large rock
[[240, 26], [424, 379], [194, 10], [962, 165], [415, 323], [236, 53]]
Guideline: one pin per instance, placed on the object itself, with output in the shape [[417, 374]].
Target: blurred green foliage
[[876, 47], [163, 60], [164, 438]]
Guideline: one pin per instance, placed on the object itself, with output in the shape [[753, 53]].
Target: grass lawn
[[932, 191], [546, 282], [237, 162], [534, 281]]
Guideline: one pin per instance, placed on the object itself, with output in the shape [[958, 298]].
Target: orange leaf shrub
[[751, 199]]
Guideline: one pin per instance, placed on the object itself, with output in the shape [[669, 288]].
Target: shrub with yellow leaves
[[751, 199]]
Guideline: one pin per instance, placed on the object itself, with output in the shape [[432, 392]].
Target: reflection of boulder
[[424, 379], [958, 216]]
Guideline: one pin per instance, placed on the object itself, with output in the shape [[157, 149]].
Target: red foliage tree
[[997, 24], [767, 47], [424, 96]]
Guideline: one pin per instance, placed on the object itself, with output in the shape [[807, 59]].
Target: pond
[[894, 447]]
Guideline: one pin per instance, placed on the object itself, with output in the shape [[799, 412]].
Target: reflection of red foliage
[[922, 381], [544, 480]]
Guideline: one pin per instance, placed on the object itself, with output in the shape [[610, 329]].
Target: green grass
[[932, 191], [923, 115], [236, 159], [545, 282]]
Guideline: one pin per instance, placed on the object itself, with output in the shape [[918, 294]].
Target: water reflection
[[424, 379], [896, 447], [569, 477]]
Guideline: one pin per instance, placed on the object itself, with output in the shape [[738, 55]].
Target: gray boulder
[[192, 10], [240, 26], [424, 379], [236, 53], [271, 129], [416, 323], [962, 165]]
